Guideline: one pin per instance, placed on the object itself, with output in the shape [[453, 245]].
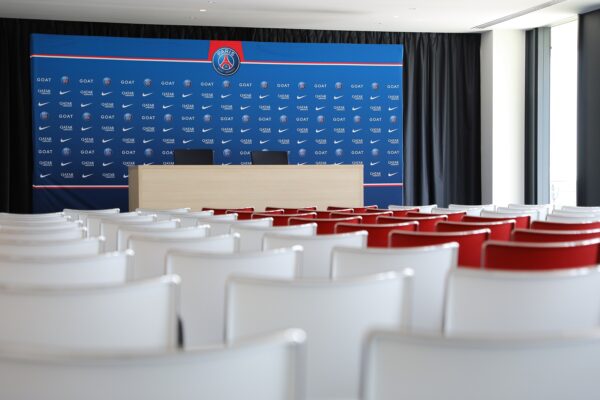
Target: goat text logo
[[226, 61]]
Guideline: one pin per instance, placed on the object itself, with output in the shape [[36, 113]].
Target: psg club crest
[[226, 61]]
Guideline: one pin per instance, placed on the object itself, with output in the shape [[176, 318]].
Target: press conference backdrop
[[102, 104]]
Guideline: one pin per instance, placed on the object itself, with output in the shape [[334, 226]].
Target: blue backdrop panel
[[102, 104]]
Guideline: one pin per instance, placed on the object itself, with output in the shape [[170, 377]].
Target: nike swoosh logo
[[65, 140], [64, 164], [337, 97], [187, 141], [41, 128], [319, 108], [375, 163], [125, 176], [147, 140], [301, 141], [44, 175], [206, 107], [245, 130], [171, 105], [282, 130], [86, 176], [300, 97], [105, 93], [126, 105], [86, 128], [204, 130], [224, 96], [282, 108], [392, 130], [392, 173], [167, 129], [106, 164], [375, 141], [338, 163], [356, 130], [65, 92], [43, 104], [319, 130], [338, 141], [264, 141], [263, 96], [184, 95], [226, 163], [356, 108], [85, 105], [225, 141], [244, 107], [107, 140], [146, 94], [301, 163], [374, 97], [392, 108], [127, 129]]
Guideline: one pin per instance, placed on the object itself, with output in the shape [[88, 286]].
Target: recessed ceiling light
[[396, 16], [203, 10]]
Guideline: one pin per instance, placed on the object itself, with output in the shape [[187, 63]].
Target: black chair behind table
[[193, 156], [269, 157]]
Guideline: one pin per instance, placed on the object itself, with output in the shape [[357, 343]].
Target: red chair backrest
[[283, 219], [248, 214], [327, 214], [549, 236], [221, 211], [499, 230], [540, 256], [522, 221], [469, 243], [378, 233], [367, 218], [326, 226], [395, 213], [453, 216], [355, 209], [426, 224], [287, 210], [565, 226]]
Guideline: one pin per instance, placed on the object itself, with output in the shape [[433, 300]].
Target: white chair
[[39, 224], [187, 220], [507, 302], [431, 265], [107, 268], [316, 258], [109, 228], [134, 316], [33, 234], [586, 217], [577, 214], [251, 237], [93, 220], [402, 366], [336, 316], [165, 215], [57, 248], [55, 216], [543, 209], [158, 229], [220, 227], [446, 211], [265, 368], [75, 215], [423, 208], [469, 207], [512, 212], [151, 211], [151, 251], [581, 209], [203, 277]]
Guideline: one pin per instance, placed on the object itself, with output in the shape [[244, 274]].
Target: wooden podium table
[[258, 186]]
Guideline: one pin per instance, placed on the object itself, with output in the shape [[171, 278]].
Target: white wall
[[503, 116]]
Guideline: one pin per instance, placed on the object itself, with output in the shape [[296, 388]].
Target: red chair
[[326, 226], [378, 233], [283, 219], [469, 243], [499, 230], [242, 215], [538, 235], [521, 221], [327, 214], [426, 224], [395, 213], [292, 210], [523, 256], [221, 211], [367, 218], [453, 216], [355, 209], [565, 226]]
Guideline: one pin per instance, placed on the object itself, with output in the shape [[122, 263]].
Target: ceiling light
[[203, 10]]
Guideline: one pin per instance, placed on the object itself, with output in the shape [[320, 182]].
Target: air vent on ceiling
[[519, 14]]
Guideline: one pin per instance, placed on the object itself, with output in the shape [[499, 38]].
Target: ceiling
[[356, 15]]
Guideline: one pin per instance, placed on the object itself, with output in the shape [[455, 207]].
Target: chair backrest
[[266, 368], [53, 216], [49, 248], [270, 157], [93, 220], [75, 214], [251, 237], [396, 207], [151, 252], [193, 156], [323, 214], [134, 316], [378, 233], [565, 226], [283, 219], [326, 226], [543, 209], [430, 264], [525, 256], [244, 215], [576, 214], [426, 224], [426, 208], [580, 209], [575, 217], [203, 279], [107, 268], [453, 215], [160, 229], [43, 234], [292, 210], [152, 211], [470, 243], [510, 303], [534, 213], [316, 258], [523, 220], [219, 227], [40, 224], [187, 220], [403, 366], [336, 315], [367, 217], [499, 230], [109, 229], [473, 209], [544, 236], [360, 209], [221, 211]]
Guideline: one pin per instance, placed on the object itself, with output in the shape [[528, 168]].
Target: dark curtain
[[442, 158], [588, 112], [531, 121]]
